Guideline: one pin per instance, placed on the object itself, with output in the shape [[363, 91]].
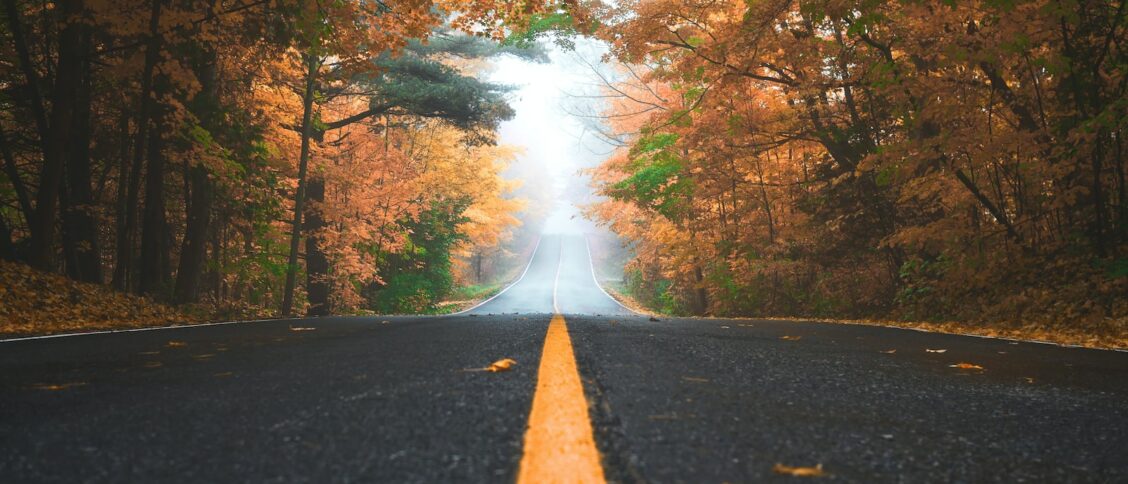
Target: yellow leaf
[[504, 364], [889, 352], [57, 387], [966, 366], [935, 351], [790, 338], [176, 344], [816, 471]]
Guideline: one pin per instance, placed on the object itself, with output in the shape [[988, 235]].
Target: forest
[[922, 160], [915, 160], [298, 157]]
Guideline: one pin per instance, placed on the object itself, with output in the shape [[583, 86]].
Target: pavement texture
[[403, 399]]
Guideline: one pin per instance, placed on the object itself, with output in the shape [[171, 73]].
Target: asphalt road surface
[[403, 399]]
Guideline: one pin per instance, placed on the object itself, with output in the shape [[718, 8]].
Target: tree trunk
[[153, 267], [123, 262], [700, 292], [7, 248], [68, 79], [193, 253], [80, 227], [317, 264], [312, 65], [10, 169], [51, 155]]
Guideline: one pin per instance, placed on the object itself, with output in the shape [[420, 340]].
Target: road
[[403, 399]]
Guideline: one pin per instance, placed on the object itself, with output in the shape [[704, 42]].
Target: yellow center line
[[559, 442]]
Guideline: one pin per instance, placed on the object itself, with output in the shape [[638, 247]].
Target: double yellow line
[[559, 442]]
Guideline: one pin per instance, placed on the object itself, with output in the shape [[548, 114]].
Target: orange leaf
[[816, 471], [966, 366], [504, 364], [57, 387]]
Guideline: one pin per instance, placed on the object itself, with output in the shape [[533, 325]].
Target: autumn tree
[[159, 151], [851, 159]]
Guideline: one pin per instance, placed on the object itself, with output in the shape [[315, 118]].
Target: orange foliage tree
[[215, 150], [958, 159]]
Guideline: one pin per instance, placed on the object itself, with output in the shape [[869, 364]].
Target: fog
[[556, 105]]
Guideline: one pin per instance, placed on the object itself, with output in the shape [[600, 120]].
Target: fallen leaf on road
[[176, 344], [223, 374], [504, 364], [149, 353], [1029, 380], [934, 351], [299, 328], [724, 327], [889, 352], [56, 387], [816, 471], [694, 379], [153, 364], [966, 366], [203, 356], [790, 338]]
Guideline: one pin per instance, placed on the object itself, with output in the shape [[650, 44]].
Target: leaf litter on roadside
[[799, 471]]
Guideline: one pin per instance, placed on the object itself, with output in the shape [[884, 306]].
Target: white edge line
[[514, 283], [904, 328], [134, 330], [591, 264]]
